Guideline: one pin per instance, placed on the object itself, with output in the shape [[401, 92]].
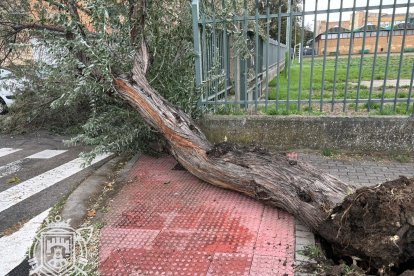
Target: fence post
[[243, 64], [197, 47], [243, 81]]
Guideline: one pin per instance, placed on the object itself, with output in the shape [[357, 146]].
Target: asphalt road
[[36, 172]]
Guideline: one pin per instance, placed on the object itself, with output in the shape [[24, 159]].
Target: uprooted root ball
[[378, 221]]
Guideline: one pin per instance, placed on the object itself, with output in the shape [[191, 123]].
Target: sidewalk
[[167, 222]]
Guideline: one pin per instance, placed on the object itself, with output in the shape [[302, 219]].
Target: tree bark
[[328, 206]]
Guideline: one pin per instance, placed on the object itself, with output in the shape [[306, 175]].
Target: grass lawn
[[367, 69]]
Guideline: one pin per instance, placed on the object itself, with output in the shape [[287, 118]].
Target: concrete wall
[[357, 134]]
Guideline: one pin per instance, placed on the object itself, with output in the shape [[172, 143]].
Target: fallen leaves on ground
[[13, 180], [92, 213]]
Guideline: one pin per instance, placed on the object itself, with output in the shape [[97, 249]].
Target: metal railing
[[359, 57]]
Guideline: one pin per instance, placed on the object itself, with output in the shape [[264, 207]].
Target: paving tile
[[165, 262], [306, 241], [276, 234], [113, 265], [230, 264], [168, 222], [263, 265]]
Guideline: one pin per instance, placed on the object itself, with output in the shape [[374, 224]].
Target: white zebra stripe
[[32, 186], [46, 154], [14, 247], [7, 151], [16, 166]]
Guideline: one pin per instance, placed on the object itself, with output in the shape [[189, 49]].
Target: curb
[[303, 238], [76, 206]]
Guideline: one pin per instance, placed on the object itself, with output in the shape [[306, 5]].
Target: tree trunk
[[356, 222]]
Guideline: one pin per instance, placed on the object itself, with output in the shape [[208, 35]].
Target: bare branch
[[73, 9], [137, 19], [9, 51], [35, 26]]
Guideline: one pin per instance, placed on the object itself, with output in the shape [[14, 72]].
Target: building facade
[[372, 19], [357, 39], [365, 32]]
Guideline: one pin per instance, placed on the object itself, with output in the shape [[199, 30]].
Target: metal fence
[[342, 56]]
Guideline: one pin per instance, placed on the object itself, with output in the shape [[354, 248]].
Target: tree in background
[[13, 15], [295, 24]]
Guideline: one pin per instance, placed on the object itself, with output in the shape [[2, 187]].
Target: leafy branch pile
[[79, 47]]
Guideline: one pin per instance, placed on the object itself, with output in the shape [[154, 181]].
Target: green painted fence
[[241, 65]]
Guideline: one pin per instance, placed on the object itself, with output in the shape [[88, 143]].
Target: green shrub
[[327, 152], [372, 105], [408, 50], [366, 51]]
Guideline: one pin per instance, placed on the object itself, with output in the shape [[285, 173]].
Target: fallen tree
[[374, 225]]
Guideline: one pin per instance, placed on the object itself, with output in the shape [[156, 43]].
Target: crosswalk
[[14, 167], [17, 197], [11, 168], [36, 184], [13, 247], [6, 151]]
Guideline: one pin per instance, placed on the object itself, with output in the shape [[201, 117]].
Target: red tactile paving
[[167, 222]]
